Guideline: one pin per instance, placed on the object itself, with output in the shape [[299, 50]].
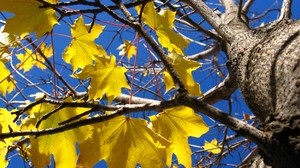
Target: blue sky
[[206, 75]]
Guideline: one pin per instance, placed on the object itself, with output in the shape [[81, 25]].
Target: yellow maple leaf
[[184, 69], [124, 142], [162, 23], [3, 152], [6, 125], [212, 146], [29, 59], [177, 124], [29, 17], [82, 49], [6, 81], [61, 145], [6, 40], [127, 48], [106, 78]]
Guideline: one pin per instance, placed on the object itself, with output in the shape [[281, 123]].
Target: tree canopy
[[139, 83]]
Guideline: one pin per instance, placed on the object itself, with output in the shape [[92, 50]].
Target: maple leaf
[[106, 78], [30, 59], [212, 146], [6, 40], [3, 152], [82, 49], [184, 69], [61, 145], [127, 48], [6, 81], [29, 17], [162, 23], [7, 125], [177, 124], [7, 121], [124, 142]]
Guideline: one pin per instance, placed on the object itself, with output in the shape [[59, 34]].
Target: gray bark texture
[[265, 62], [266, 65]]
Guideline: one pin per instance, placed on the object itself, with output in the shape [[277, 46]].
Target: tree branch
[[205, 54], [195, 25], [247, 5], [285, 12], [212, 18], [221, 91], [248, 131], [123, 98], [122, 109], [230, 6]]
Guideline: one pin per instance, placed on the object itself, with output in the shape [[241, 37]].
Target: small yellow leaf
[[61, 145], [162, 23], [184, 69], [82, 49], [6, 81], [106, 78], [177, 124], [127, 48], [124, 142], [29, 17], [30, 59], [212, 146]]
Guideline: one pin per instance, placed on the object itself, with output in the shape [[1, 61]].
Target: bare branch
[[125, 11], [234, 16], [285, 12], [212, 18], [123, 98], [247, 5], [205, 54], [122, 109], [257, 136], [221, 91], [188, 20], [230, 6]]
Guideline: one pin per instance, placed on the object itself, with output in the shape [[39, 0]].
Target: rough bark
[[266, 64]]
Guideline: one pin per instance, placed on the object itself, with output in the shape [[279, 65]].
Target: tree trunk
[[266, 64]]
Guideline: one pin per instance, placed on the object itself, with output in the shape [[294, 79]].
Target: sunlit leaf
[[30, 59], [162, 23], [29, 17], [127, 48], [6, 125], [177, 124], [212, 146], [3, 152], [6, 40], [61, 145], [124, 142], [82, 49], [184, 69], [106, 78], [6, 81]]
